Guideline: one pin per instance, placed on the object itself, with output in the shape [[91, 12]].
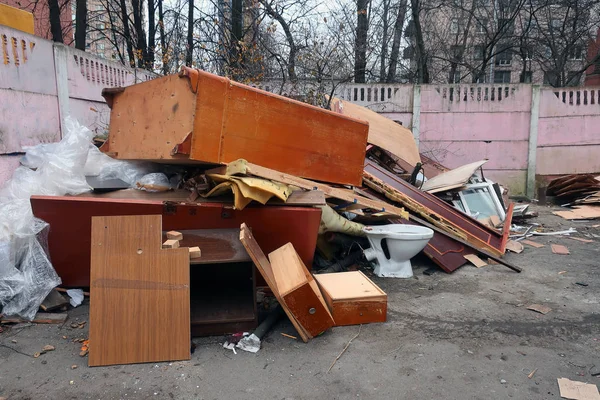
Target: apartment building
[[506, 41]]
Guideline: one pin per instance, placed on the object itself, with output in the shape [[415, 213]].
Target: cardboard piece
[[576, 390], [476, 261], [539, 308], [560, 249], [532, 243]]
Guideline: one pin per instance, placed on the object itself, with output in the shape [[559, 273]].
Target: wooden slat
[[264, 266], [140, 293]]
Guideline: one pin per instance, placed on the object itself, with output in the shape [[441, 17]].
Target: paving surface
[[468, 335]]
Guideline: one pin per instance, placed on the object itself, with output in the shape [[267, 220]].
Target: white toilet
[[403, 243]]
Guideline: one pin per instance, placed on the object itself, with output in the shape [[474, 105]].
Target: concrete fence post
[[62, 82], [416, 113], [533, 135]]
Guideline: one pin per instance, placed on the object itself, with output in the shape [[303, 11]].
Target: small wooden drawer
[[353, 298]]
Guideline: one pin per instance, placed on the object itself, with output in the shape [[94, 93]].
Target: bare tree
[[81, 24]]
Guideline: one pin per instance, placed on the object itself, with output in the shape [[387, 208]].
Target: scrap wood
[[459, 240], [515, 247], [539, 308], [243, 167], [532, 373], [476, 261], [560, 249], [575, 390], [582, 240], [40, 318], [580, 212], [53, 301], [264, 266], [432, 217], [532, 243], [452, 179], [345, 348]]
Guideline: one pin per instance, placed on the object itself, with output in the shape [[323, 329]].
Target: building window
[[101, 46], [555, 24], [507, 7], [502, 77], [576, 53], [101, 26], [482, 26], [526, 77], [456, 52], [504, 57], [99, 7], [506, 26], [454, 26], [478, 52]]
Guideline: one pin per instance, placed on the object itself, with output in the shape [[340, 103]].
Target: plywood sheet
[[560, 249], [475, 260], [383, 132], [140, 293], [580, 212], [452, 179]]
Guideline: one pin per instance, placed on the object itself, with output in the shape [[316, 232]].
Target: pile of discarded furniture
[[581, 193], [247, 189]]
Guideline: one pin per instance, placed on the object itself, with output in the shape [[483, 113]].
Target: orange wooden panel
[[140, 293], [150, 119]]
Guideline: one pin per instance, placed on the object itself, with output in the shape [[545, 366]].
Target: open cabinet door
[[140, 293]]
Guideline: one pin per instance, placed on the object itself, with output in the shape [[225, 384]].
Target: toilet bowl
[[403, 242]]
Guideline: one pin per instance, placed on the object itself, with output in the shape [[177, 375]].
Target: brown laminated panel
[[70, 226]]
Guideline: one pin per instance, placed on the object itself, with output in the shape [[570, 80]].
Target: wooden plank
[[299, 290], [352, 285], [383, 132], [40, 318], [53, 301], [580, 212], [349, 197], [560, 249], [532, 243], [452, 179], [137, 287], [264, 266], [476, 261]]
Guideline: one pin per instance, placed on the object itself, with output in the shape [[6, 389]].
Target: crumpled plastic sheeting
[[102, 166], [26, 274]]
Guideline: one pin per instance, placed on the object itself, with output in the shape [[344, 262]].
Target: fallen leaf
[[48, 347], [36, 355], [73, 366], [83, 353], [562, 272]]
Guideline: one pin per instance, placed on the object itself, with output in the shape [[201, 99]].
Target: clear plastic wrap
[[102, 166], [155, 182], [26, 274]]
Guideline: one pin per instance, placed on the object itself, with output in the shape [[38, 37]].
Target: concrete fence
[[42, 82], [529, 133], [526, 132]]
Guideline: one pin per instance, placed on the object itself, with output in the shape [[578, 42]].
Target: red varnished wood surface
[[70, 226]]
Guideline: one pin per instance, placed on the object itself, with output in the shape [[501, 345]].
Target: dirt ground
[[468, 335]]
